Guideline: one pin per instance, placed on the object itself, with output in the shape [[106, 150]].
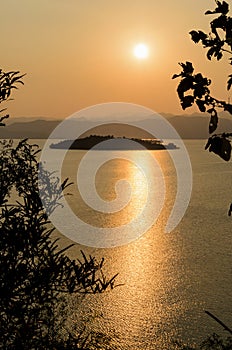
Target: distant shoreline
[[121, 143], [194, 127]]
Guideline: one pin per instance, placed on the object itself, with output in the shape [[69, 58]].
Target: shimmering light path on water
[[169, 279]]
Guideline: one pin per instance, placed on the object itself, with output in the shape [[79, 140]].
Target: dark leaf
[[228, 107], [199, 78], [229, 32], [187, 101], [221, 146], [213, 121], [201, 105], [176, 76], [203, 35], [229, 82], [218, 55], [217, 23], [225, 149], [215, 51], [200, 90], [65, 184], [187, 68], [230, 210], [215, 144], [210, 53], [184, 85], [17, 79], [5, 116], [210, 110], [208, 143], [196, 36], [222, 7]]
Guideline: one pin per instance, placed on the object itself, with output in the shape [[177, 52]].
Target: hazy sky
[[77, 53]]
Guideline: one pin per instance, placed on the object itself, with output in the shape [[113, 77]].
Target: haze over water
[[169, 279]]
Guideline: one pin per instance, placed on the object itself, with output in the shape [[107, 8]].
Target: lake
[[169, 278]]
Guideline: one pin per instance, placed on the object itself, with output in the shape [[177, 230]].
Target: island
[[87, 143]]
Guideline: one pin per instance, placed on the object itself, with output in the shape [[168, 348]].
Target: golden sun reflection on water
[[149, 267], [106, 180], [149, 300], [169, 279]]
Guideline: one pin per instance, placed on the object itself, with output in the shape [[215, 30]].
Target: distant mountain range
[[193, 126]]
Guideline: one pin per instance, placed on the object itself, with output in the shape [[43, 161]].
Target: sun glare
[[141, 51]]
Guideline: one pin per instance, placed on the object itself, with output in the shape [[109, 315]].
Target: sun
[[141, 51]]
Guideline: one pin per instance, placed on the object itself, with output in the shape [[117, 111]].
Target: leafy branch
[[193, 88], [8, 82]]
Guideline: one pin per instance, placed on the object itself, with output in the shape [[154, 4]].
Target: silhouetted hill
[[37, 129], [189, 127], [196, 126]]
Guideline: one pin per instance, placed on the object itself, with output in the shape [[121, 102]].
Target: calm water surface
[[169, 279]]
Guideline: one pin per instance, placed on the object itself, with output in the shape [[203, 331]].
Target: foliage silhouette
[[34, 274], [8, 82], [194, 88]]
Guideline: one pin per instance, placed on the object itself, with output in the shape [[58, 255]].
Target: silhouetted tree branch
[[34, 272], [194, 88]]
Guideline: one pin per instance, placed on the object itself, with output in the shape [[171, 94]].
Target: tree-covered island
[[87, 143]]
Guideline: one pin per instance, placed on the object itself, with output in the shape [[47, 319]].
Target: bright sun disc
[[141, 51]]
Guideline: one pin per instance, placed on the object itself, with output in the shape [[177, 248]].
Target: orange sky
[[77, 53]]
